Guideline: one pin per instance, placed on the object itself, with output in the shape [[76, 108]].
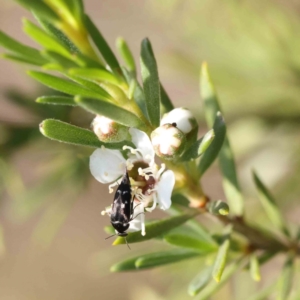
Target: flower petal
[[136, 223], [142, 143], [107, 165], [164, 189]]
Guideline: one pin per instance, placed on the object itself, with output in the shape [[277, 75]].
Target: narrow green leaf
[[156, 228], [21, 59], [213, 150], [152, 260], [62, 85], [102, 46], [96, 74], [162, 258], [190, 241], [213, 286], [166, 102], [56, 100], [74, 53], [22, 51], [40, 6], [269, 205], [226, 159], [90, 85], [60, 59], [221, 258], [200, 281], [67, 133], [44, 39], [254, 268], [286, 278], [125, 265], [151, 82], [138, 93], [198, 148], [75, 9], [126, 55], [110, 110]]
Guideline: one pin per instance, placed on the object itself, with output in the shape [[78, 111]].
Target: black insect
[[122, 208]]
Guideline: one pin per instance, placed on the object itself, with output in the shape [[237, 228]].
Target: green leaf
[[62, 85], [90, 85], [221, 258], [20, 59], [286, 278], [67, 133], [190, 241], [166, 102], [40, 6], [199, 147], [162, 258], [226, 159], [126, 55], [125, 265], [151, 82], [138, 93], [59, 59], [110, 110], [152, 260], [213, 150], [254, 268], [74, 9], [96, 74], [157, 228], [23, 52], [56, 100], [269, 205], [200, 281], [102, 46], [44, 39], [213, 286]]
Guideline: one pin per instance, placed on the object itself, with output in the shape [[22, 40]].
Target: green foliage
[[89, 80], [151, 82]]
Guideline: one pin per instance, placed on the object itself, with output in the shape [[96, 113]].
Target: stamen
[[110, 187], [150, 209], [160, 171], [143, 222]]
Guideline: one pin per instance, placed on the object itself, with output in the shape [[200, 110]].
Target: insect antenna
[[127, 243], [110, 236], [137, 216]]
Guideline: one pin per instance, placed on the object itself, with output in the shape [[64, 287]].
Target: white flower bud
[[182, 117], [168, 141], [108, 130]]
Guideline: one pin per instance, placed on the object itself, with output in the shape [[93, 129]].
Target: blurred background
[[52, 239]]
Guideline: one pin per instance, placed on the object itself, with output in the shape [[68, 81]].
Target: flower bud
[[184, 119], [108, 130], [218, 208], [168, 141]]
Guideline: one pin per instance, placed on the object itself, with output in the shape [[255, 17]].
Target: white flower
[[184, 119], [150, 184]]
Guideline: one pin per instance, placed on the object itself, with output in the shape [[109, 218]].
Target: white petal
[[136, 223], [142, 143], [107, 165], [164, 189]]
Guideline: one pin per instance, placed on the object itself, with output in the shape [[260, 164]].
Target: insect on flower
[[122, 209]]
